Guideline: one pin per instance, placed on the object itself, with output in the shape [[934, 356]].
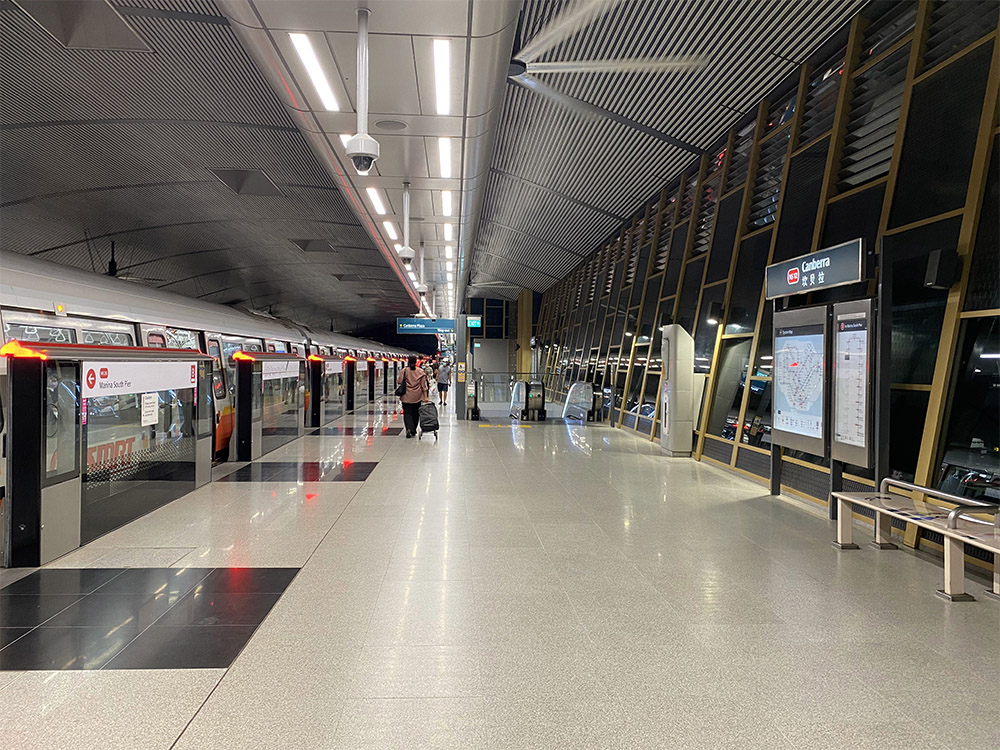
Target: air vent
[[779, 111], [706, 217], [955, 25], [632, 264], [84, 25], [247, 181], [889, 21], [651, 217], [717, 159], [313, 246], [687, 201], [821, 98], [666, 230], [871, 125], [767, 182], [609, 275], [740, 160]]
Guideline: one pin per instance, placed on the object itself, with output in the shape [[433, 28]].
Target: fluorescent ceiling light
[[344, 138], [390, 230], [450, 276], [449, 251], [413, 276], [442, 75], [376, 200], [446, 202], [398, 247], [991, 355], [448, 229], [308, 56], [444, 155], [451, 285], [449, 266]]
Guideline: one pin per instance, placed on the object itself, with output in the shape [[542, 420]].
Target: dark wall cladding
[[940, 139], [745, 297], [726, 225], [753, 462], [719, 451], [855, 216], [689, 294], [676, 260], [801, 200], [984, 280]]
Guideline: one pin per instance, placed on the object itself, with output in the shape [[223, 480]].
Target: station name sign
[[425, 325], [834, 266]]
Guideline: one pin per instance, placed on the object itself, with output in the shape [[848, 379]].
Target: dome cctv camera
[[406, 255], [422, 289], [363, 150]]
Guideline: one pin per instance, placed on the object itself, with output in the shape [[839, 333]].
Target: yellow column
[[524, 331]]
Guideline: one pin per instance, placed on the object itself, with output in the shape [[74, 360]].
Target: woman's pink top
[[416, 385]]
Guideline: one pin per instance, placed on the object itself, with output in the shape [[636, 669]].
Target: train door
[[223, 398]]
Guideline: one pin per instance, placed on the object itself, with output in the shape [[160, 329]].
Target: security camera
[[363, 150], [422, 290], [406, 255]]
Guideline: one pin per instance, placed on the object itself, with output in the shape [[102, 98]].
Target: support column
[[954, 572], [461, 369], [524, 325]]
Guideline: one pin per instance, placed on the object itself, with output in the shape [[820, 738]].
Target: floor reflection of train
[[47, 303]]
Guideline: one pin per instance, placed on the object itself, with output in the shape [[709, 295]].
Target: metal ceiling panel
[[101, 146], [565, 180]]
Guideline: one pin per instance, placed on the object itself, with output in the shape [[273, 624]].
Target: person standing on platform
[[416, 392], [443, 381]]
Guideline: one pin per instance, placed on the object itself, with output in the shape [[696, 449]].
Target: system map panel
[[798, 380]]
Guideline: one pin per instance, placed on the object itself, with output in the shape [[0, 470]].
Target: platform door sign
[[150, 402], [800, 375], [117, 378], [852, 382], [332, 366]]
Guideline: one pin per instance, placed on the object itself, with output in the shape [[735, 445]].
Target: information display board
[[851, 406], [799, 409]]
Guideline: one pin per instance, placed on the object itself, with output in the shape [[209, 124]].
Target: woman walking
[[416, 392]]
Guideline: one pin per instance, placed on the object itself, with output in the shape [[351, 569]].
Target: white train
[[46, 302]]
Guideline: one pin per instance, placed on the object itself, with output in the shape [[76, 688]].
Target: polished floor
[[551, 587]]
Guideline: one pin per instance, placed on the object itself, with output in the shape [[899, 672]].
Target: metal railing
[[965, 504]]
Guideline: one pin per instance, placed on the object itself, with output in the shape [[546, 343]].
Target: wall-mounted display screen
[[799, 373], [852, 381]]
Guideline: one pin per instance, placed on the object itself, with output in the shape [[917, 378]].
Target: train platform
[[504, 586]]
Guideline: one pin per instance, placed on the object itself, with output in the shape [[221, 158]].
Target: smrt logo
[[91, 378], [793, 276], [104, 372], [193, 372]]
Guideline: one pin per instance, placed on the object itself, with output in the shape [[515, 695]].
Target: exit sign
[[475, 321]]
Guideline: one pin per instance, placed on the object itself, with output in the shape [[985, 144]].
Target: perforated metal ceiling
[[561, 182], [101, 145]]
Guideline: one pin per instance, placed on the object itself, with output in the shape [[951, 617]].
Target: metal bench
[[959, 526]]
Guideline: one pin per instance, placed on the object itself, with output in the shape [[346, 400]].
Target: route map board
[[852, 382], [800, 380]]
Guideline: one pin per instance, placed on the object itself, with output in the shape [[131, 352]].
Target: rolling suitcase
[[428, 418]]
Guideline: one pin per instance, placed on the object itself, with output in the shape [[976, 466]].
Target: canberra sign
[[425, 325], [834, 266]]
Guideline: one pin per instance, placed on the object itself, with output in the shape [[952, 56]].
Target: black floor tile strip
[[140, 618]]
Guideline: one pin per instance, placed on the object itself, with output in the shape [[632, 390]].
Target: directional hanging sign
[[834, 266], [425, 325]]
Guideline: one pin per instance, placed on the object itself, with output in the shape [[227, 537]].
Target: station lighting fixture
[[446, 202], [412, 275], [442, 75], [344, 138], [449, 251], [450, 276], [311, 63], [397, 247], [448, 229], [390, 230], [444, 156], [376, 200]]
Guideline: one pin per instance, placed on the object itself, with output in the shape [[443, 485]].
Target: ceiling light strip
[[309, 60]]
